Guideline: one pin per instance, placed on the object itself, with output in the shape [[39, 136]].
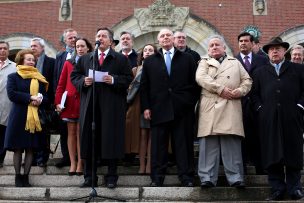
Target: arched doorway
[[293, 36], [146, 23], [18, 41]]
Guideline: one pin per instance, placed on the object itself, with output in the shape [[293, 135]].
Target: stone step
[[124, 180], [195, 194]]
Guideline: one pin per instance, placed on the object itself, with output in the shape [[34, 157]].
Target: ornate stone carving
[[161, 14], [259, 7]]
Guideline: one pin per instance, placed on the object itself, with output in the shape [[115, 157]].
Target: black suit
[[59, 62], [171, 100], [251, 145]]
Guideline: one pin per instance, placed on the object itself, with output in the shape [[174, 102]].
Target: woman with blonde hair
[[27, 90]]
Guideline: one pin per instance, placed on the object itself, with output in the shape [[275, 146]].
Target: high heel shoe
[[79, 173], [72, 173]]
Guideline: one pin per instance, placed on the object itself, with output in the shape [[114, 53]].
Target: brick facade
[[41, 18]]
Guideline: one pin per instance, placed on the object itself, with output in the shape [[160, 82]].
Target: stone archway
[[18, 41], [146, 23], [293, 35]]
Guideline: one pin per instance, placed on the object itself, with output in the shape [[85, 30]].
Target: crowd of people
[[246, 109]]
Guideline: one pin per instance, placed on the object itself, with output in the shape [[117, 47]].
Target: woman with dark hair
[[138, 138], [70, 111], [27, 90]]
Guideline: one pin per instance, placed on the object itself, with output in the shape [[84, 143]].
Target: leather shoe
[[111, 185], [207, 184], [187, 184], [239, 185], [155, 184], [297, 195], [278, 195]]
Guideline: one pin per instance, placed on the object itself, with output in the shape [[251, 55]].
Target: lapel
[[241, 60], [221, 67], [271, 69], [162, 59], [284, 67]]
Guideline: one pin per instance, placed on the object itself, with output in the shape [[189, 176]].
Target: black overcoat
[[110, 105], [280, 118], [16, 137], [168, 97]]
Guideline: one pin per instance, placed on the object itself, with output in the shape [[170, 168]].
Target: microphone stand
[[93, 194]]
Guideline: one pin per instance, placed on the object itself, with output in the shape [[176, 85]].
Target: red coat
[[72, 103]]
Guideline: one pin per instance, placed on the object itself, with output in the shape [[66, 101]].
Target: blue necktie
[[277, 68], [168, 61]]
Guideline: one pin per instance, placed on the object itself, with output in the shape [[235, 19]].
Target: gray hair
[[39, 40], [129, 33], [4, 42], [298, 47]]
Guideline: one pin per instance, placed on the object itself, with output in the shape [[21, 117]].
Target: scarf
[[30, 72]]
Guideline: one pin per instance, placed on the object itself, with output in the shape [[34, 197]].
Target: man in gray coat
[[6, 67]]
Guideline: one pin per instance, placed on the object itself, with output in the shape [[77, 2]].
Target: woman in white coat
[[224, 81]]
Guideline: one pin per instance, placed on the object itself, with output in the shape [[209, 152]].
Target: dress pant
[[110, 177], [277, 177], [2, 137], [214, 147], [63, 131], [182, 141]]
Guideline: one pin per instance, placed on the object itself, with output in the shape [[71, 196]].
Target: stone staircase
[[51, 184]]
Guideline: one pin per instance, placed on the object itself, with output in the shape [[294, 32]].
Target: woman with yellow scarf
[[27, 90]]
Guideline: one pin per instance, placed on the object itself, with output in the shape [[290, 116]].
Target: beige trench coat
[[216, 114]]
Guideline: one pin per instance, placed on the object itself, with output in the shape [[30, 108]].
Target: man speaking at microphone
[[112, 78]]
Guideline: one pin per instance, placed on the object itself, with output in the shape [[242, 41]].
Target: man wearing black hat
[[278, 96]]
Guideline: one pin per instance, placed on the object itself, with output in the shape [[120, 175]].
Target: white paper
[[63, 98], [98, 75]]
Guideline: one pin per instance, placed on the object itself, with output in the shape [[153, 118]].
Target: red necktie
[[101, 58]]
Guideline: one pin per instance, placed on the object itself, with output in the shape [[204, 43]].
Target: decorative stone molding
[[161, 14], [259, 7], [19, 41], [65, 10], [293, 35]]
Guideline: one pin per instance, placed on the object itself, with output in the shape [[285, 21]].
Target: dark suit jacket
[[194, 54], [110, 105], [256, 62], [59, 62], [167, 96], [47, 72]]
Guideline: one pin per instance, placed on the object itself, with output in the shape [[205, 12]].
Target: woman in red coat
[[69, 112]]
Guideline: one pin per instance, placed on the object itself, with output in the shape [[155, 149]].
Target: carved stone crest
[[161, 14]]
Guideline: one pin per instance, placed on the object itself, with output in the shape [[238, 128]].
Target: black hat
[[273, 42], [116, 42]]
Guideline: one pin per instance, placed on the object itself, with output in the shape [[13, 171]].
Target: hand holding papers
[[63, 98], [98, 75]]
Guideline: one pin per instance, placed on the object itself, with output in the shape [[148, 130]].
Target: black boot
[[18, 180], [26, 181]]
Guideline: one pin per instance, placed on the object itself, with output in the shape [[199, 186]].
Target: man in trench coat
[[278, 96], [224, 81], [110, 106]]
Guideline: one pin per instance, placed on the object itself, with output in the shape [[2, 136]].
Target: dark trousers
[[182, 140], [110, 177], [63, 131], [277, 177], [2, 137]]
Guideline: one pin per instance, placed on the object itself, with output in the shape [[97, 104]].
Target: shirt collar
[[280, 64], [171, 51], [243, 55], [105, 52]]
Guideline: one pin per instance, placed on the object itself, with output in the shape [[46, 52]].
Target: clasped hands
[[228, 93], [36, 100]]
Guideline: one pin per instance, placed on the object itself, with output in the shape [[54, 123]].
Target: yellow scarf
[[26, 72]]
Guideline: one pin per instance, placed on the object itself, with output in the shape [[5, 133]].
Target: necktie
[[101, 58], [277, 68], [126, 55], [247, 63], [1, 64], [168, 61]]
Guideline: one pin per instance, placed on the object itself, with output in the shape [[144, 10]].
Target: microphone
[[97, 44]]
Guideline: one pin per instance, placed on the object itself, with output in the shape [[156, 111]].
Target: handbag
[[49, 120], [134, 88]]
